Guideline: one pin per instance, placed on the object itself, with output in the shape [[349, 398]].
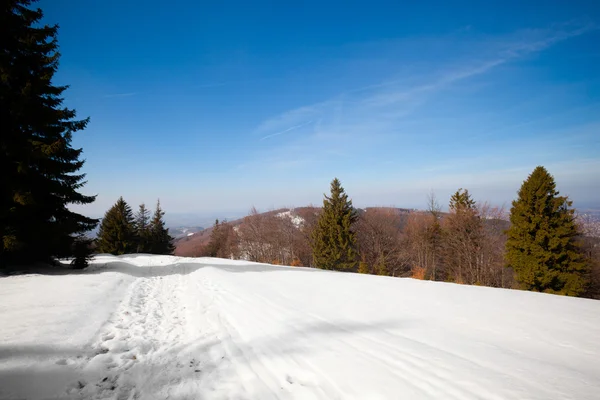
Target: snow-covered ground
[[157, 327]]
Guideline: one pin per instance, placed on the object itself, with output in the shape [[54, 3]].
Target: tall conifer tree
[[142, 229], [160, 240], [541, 245], [334, 240], [117, 230], [39, 167]]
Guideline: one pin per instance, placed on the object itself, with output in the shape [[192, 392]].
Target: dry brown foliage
[[418, 273], [423, 237], [296, 263], [380, 241]]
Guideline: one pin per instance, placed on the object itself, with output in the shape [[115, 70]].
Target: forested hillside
[[466, 244]]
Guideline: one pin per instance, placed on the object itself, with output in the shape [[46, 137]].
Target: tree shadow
[[188, 267], [60, 371], [261, 350], [35, 351], [179, 266], [120, 264]]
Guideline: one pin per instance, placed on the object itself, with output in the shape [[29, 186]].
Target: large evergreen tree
[[142, 229], [39, 167], [334, 240], [541, 245], [160, 240], [117, 230]]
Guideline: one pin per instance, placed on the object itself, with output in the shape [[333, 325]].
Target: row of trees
[[123, 232], [536, 248], [464, 245]]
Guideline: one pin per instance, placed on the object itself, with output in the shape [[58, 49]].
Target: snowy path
[[158, 327]]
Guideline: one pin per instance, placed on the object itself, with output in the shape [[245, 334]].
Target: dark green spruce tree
[[160, 240], [39, 168], [461, 201], [142, 229], [117, 230], [334, 240], [541, 246]]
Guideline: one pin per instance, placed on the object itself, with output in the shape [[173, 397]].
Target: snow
[[190, 234], [156, 327], [297, 220]]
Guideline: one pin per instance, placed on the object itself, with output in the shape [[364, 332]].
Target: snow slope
[[157, 327]]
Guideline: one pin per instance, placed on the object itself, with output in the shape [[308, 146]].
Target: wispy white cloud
[[206, 85], [286, 130], [534, 41], [129, 94], [396, 91], [373, 119]]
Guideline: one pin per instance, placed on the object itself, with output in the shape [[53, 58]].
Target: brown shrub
[[418, 273], [296, 263]]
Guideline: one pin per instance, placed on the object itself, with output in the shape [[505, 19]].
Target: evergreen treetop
[[117, 230], [461, 201], [541, 246], [142, 229], [160, 240]]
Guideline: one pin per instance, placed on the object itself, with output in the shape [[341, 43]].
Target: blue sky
[[214, 107]]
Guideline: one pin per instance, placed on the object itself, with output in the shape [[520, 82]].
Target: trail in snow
[[158, 327]]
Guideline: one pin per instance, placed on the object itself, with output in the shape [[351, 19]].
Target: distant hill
[[191, 244], [183, 231]]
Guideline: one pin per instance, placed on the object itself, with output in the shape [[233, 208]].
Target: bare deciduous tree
[[309, 216], [422, 232], [590, 247], [493, 266], [473, 243], [380, 242], [272, 237], [223, 241]]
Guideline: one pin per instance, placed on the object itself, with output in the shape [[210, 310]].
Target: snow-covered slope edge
[[153, 327]]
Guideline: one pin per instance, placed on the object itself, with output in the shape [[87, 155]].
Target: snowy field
[[158, 327]]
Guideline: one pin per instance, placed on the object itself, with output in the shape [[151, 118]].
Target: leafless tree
[[252, 237], [422, 233], [303, 248], [491, 259], [380, 241], [589, 242], [473, 245], [274, 237], [223, 241]]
